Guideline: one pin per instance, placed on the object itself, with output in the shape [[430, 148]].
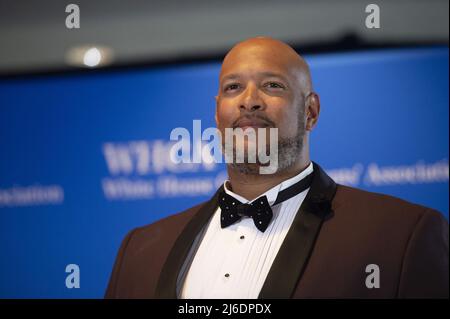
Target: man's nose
[[251, 100]]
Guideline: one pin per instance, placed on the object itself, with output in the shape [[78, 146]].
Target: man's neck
[[251, 186]]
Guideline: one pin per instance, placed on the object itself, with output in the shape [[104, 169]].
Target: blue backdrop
[[85, 158]]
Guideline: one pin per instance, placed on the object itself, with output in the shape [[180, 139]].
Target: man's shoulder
[[382, 222], [376, 204]]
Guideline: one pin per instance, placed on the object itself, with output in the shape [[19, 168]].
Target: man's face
[[259, 88]]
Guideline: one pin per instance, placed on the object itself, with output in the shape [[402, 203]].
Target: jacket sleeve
[[111, 290], [424, 272]]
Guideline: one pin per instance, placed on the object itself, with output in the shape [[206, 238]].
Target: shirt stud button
[[242, 237], [227, 275]]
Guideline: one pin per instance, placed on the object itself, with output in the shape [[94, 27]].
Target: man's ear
[[217, 101], [312, 110]]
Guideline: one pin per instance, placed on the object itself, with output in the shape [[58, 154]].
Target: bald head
[[276, 54]]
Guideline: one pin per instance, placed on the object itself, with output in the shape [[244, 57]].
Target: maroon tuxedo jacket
[[336, 233]]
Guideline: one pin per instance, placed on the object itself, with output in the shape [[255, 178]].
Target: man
[[294, 233]]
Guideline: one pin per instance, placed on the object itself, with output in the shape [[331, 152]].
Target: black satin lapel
[[166, 287], [297, 247]]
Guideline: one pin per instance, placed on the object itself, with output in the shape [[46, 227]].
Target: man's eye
[[231, 87], [274, 85]]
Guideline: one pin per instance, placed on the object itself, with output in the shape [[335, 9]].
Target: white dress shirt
[[233, 262]]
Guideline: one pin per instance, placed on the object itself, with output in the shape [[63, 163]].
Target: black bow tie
[[232, 210]]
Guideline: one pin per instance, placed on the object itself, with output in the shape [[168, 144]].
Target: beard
[[289, 151]]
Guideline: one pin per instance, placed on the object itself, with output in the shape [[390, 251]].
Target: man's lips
[[246, 123]]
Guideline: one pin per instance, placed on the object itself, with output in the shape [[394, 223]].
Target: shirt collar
[[272, 193]]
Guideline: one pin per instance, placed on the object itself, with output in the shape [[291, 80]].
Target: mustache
[[259, 117]]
